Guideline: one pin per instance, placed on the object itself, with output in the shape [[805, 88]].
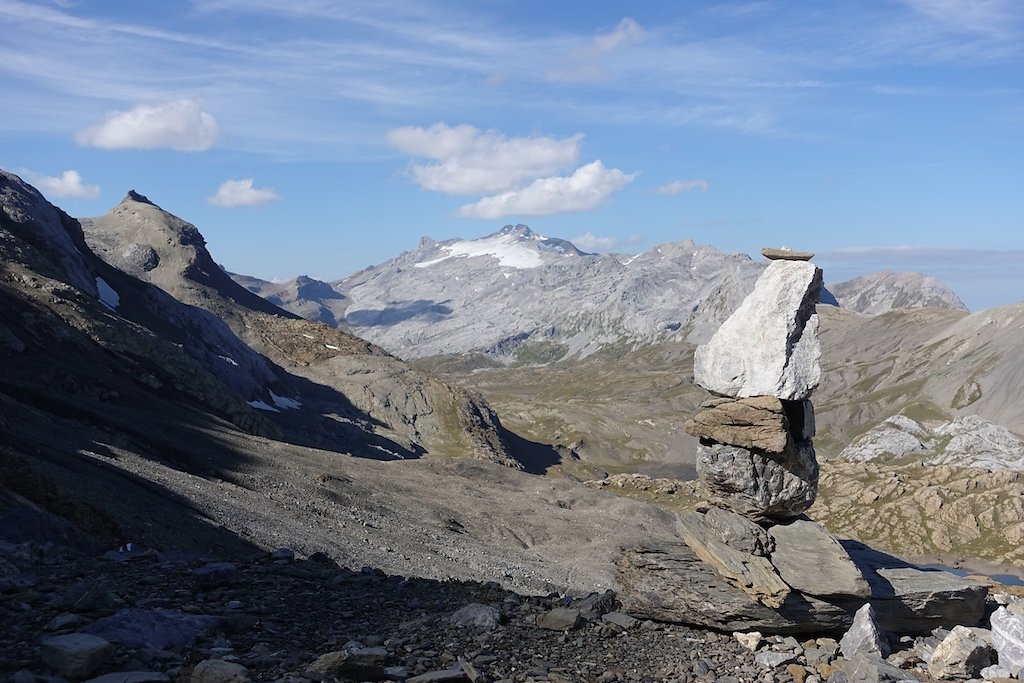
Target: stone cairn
[[749, 559], [756, 456]]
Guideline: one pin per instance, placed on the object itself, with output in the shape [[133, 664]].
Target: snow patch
[[508, 249], [285, 402], [260, 405], [108, 296], [229, 360], [332, 347]]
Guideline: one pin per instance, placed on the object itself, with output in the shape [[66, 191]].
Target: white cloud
[[471, 161], [588, 241], [680, 186], [181, 125], [233, 193], [585, 189], [626, 32], [68, 184], [585, 62]]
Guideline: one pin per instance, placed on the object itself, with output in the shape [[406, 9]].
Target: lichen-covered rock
[[760, 486], [1008, 638], [769, 345]]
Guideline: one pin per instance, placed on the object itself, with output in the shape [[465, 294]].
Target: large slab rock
[[75, 655], [813, 561], [758, 422], [671, 583], [769, 345], [760, 486], [750, 572]]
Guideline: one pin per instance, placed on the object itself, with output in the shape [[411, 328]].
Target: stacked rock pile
[[749, 558], [756, 455]]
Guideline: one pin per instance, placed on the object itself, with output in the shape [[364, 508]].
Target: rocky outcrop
[[672, 583], [967, 441]]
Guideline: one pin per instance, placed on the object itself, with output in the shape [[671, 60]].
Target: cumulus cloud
[[232, 193], [588, 241], [180, 125], [585, 189], [680, 186], [472, 161], [67, 184]]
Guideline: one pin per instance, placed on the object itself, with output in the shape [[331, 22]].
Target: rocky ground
[[133, 616]]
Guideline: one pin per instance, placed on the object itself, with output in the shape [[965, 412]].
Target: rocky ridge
[[415, 410], [882, 292], [517, 297]]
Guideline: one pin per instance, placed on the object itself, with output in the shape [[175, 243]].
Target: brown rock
[[758, 422], [785, 254], [798, 673]]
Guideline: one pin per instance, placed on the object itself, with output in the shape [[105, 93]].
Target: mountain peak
[[136, 197], [519, 230]]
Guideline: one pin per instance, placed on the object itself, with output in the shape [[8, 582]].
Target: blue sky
[[320, 137]]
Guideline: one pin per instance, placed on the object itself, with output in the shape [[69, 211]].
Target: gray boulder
[[1008, 638], [560, 619], [219, 671], [870, 668], [159, 629], [812, 560], [75, 655], [864, 635], [769, 345], [476, 615], [961, 654], [760, 486]]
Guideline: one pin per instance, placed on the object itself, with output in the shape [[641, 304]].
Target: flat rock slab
[[769, 345], [757, 422], [75, 655], [670, 583], [752, 574], [760, 486], [159, 629], [784, 254], [812, 560]]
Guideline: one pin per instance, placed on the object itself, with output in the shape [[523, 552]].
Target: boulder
[[219, 671], [870, 668], [1008, 638], [812, 560], [758, 422], [750, 572], [75, 655], [671, 583], [560, 619], [476, 615], [159, 629], [760, 486], [961, 654], [864, 635], [769, 345]]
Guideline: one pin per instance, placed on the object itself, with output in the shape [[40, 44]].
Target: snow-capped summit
[[514, 246]]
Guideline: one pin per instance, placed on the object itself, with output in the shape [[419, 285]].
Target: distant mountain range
[[517, 296]]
